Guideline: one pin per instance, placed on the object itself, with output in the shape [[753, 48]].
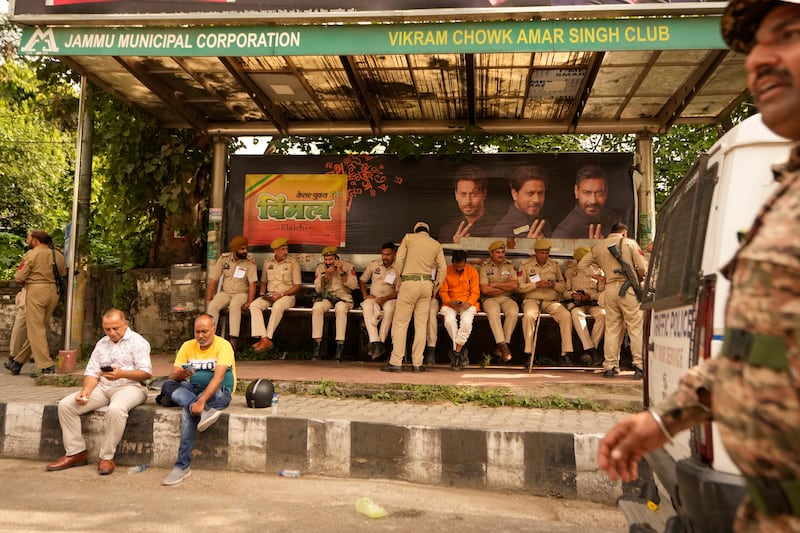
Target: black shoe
[[455, 360], [638, 373], [42, 372], [391, 368], [609, 373], [418, 369], [597, 357], [430, 355], [373, 350], [586, 359], [339, 352], [464, 357], [14, 367], [315, 353]]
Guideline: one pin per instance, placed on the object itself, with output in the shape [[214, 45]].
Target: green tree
[[37, 143]]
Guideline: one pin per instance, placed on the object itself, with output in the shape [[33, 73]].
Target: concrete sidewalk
[[540, 451]]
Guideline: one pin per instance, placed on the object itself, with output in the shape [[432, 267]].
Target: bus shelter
[[384, 67]]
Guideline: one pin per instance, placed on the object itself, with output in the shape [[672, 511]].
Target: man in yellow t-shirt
[[201, 382]]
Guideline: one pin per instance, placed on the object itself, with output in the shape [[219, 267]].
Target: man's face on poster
[[591, 194], [530, 197], [470, 198]]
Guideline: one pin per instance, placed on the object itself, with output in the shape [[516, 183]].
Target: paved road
[[80, 500]]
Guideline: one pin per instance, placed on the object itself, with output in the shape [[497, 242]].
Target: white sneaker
[[207, 418], [177, 475]]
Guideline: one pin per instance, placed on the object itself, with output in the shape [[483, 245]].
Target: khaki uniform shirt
[[340, 286], [530, 272], [421, 254], [382, 280], [281, 276], [575, 280], [490, 272], [237, 274], [37, 266], [599, 255]]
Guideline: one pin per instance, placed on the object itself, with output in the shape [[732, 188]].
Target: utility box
[[185, 287]]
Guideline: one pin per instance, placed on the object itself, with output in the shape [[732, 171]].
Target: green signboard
[[680, 33]]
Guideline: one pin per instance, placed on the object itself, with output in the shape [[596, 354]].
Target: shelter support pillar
[[644, 180], [216, 237], [75, 309]]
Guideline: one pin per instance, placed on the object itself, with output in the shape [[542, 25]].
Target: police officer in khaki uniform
[[379, 302], [35, 274], [420, 261], [498, 279], [582, 297], [239, 277], [280, 281], [541, 284], [334, 281], [622, 310]]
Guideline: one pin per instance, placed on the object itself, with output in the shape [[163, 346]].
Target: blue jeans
[[185, 394]]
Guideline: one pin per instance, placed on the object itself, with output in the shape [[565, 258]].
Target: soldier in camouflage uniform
[[752, 390]]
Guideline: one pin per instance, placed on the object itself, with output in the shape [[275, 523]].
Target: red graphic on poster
[[305, 208], [363, 177]]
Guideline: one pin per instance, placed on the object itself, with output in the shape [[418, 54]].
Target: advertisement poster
[[374, 199], [307, 208]]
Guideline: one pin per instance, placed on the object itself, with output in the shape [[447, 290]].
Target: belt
[[774, 496], [415, 277], [755, 349]]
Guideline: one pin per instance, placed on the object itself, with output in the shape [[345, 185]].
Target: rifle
[[632, 280]]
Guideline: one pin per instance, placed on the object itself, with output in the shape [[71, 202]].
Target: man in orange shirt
[[460, 293]]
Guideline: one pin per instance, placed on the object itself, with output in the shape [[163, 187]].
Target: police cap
[[496, 244], [329, 250], [542, 244], [277, 243]]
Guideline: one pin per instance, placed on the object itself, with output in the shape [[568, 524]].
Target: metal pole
[[72, 252]]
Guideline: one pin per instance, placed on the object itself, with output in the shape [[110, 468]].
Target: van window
[[672, 278]]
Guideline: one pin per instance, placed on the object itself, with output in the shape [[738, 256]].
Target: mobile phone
[[187, 366], [107, 368]]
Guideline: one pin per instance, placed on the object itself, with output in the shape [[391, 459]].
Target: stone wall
[[151, 315]]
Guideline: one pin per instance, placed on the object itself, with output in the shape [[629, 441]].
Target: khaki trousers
[[120, 400], [413, 299], [502, 329], [318, 318], [622, 312], [234, 303], [257, 309], [376, 317], [531, 309], [41, 300], [581, 325]]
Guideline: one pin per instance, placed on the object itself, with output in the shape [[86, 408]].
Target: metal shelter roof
[[529, 71]]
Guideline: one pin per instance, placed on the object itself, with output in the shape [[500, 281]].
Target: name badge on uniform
[[535, 278], [390, 277], [239, 273]]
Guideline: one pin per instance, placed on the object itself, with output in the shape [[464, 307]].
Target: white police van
[[685, 296]]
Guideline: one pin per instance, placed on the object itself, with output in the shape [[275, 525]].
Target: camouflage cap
[[542, 244], [580, 252], [277, 243], [497, 244], [741, 20], [329, 250]]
